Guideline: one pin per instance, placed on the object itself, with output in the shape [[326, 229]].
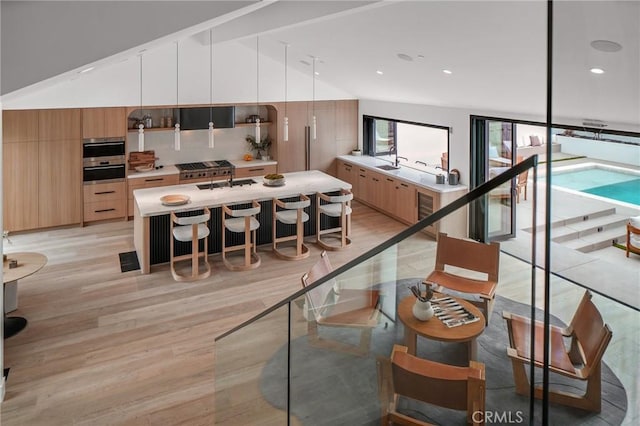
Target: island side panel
[[141, 240]]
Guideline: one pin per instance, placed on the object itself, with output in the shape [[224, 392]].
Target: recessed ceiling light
[[606, 45], [379, 72], [405, 57], [316, 73], [447, 71], [420, 56], [597, 70], [86, 70]]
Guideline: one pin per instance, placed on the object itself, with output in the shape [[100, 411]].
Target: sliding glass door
[[492, 153]]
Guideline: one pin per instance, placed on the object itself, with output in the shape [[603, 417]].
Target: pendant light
[[286, 119], [141, 125], [176, 134], [258, 89], [211, 136], [314, 122]]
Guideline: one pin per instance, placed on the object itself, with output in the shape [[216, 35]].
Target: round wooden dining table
[[436, 330], [27, 263]]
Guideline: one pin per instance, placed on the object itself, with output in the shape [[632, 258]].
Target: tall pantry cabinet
[[42, 168]]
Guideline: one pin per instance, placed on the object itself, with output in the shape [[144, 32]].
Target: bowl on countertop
[[273, 180]]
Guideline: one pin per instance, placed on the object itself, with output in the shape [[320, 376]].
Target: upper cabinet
[[59, 124], [20, 126], [104, 122]]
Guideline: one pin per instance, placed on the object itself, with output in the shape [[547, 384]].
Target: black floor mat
[[129, 261]]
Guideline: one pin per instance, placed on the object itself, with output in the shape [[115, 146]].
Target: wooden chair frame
[[340, 232], [353, 308], [630, 247], [251, 258], [195, 255], [458, 388], [301, 250], [473, 256], [589, 337]]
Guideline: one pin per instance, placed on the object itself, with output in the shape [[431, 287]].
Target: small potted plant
[[422, 309], [260, 147]]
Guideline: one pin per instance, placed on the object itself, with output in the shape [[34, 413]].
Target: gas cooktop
[[204, 169], [224, 184]]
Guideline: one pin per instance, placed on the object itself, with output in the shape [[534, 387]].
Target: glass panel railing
[[344, 325]]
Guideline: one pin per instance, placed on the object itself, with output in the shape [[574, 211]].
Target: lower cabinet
[[455, 224], [245, 172], [104, 201], [147, 182]]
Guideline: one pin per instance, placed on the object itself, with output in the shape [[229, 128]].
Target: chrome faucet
[[398, 157]]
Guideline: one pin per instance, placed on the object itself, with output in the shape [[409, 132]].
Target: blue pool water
[[610, 184]]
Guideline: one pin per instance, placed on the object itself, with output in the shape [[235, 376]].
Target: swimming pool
[[615, 183]]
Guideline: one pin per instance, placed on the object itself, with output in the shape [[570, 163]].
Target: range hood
[[198, 118]]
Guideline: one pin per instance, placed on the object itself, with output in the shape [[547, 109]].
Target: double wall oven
[[103, 160]]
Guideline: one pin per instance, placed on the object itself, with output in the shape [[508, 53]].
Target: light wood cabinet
[[104, 122], [364, 188], [104, 201], [42, 168], [405, 202], [455, 224], [20, 126], [59, 182], [147, 182], [348, 173], [59, 124], [244, 172], [20, 185]]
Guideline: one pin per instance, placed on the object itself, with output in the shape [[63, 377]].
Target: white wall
[[602, 150], [234, 81]]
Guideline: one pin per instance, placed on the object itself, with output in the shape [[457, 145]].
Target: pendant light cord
[[258, 77], [141, 84], [211, 75], [177, 74], [286, 49]]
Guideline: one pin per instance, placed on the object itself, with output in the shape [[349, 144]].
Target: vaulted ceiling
[[395, 51]]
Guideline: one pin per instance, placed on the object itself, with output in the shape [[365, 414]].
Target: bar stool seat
[[334, 206], [241, 220], [292, 214], [194, 229]]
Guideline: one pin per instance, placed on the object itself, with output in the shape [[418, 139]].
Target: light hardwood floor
[[105, 347]]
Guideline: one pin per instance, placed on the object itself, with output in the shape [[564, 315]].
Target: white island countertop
[[409, 175], [307, 182]]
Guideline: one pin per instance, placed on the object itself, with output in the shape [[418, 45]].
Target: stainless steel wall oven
[[103, 160]]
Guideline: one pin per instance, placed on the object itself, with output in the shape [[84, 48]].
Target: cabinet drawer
[[104, 192], [106, 209], [150, 182], [242, 172]]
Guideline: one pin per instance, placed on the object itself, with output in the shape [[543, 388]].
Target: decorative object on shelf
[[285, 136], [176, 135], [211, 136], [261, 146], [140, 125], [356, 152], [422, 309]]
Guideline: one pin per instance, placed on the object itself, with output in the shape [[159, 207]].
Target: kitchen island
[[152, 221]]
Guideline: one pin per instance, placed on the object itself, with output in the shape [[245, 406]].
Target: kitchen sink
[[387, 167], [225, 184]]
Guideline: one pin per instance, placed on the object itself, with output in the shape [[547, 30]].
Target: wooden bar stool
[[334, 206], [292, 213], [241, 221], [194, 229]]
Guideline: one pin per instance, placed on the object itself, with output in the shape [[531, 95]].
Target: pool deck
[[607, 271]]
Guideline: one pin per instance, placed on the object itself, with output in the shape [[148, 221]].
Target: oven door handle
[[104, 167], [102, 143]]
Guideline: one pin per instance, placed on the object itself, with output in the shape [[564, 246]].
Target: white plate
[[175, 199]]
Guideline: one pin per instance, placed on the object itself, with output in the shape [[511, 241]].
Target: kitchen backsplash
[[230, 144]]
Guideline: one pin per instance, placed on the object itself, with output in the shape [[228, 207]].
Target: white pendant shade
[[286, 129], [258, 131], [176, 138], [313, 128], [211, 137], [141, 137]]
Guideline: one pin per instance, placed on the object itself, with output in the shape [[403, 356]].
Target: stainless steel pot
[[440, 179], [454, 177]]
